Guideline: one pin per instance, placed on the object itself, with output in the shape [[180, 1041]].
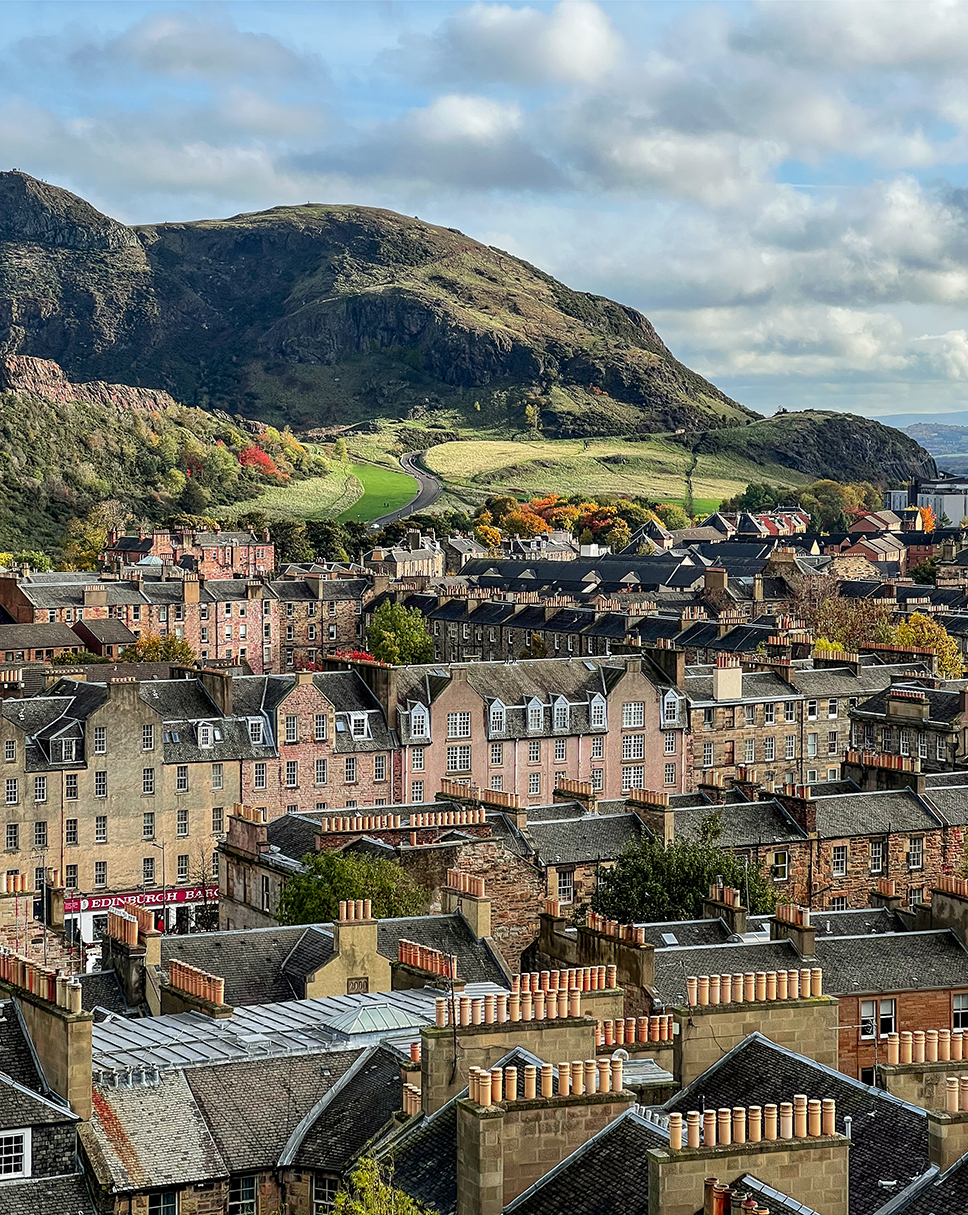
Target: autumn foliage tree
[[923, 632]]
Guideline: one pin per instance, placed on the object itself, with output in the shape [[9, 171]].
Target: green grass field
[[314, 498], [655, 468], [383, 491]]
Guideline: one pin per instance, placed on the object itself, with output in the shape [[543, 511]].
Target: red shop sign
[[144, 898]]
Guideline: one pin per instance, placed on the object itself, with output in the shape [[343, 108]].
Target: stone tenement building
[[793, 721], [215, 554], [270, 625], [915, 719], [125, 786], [522, 727]]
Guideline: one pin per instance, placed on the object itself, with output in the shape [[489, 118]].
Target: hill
[[841, 446], [326, 317], [321, 315]]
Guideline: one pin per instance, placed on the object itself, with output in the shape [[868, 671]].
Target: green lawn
[[314, 498], [383, 491]]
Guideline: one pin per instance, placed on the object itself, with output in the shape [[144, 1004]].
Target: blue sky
[[781, 187]]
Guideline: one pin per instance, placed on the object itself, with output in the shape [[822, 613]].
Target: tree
[[371, 1192], [151, 648], [81, 658], [400, 636], [924, 633], [618, 536], [653, 882], [672, 516], [924, 572], [928, 518], [313, 896], [523, 523], [490, 537], [341, 451], [850, 622]]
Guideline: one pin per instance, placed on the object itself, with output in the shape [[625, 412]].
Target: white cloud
[[573, 43], [461, 117]]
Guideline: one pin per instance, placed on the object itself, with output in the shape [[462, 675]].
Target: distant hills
[[948, 442], [325, 316]]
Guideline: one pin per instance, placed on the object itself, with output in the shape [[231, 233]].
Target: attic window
[[255, 730], [562, 714], [204, 735], [419, 723], [670, 938], [63, 751], [14, 1154], [535, 715], [171, 736], [359, 725], [498, 718]]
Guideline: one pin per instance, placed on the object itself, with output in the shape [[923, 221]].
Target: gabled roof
[[607, 1175], [886, 1134], [19, 1106]]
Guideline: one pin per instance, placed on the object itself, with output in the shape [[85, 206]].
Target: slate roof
[[451, 935], [355, 1115], [31, 636], [249, 960], [102, 988], [775, 1202], [269, 965], [944, 706], [21, 1107], [608, 1175], [742, 824], [153, 1134], [253, 1107], [687, 932], [293, 834], [886, 1132], [590, 838], [16, 1057], [872, 813], [944, 1194], [48, 1196], [851, 964], [951, 801]]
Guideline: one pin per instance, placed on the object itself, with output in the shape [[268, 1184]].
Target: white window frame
[[23, 1135], [459, 725], [633, 715]]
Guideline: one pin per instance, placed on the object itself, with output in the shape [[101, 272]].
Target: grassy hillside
[[657, 468], [60, 459]]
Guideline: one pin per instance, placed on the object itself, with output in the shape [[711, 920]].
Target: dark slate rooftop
[[252, 1108], [608, 1175], [590, 838], [20, 1106], [687, 932], [358, 1111], [249, 960], [742, 823], [16, 1058], [872, 813], [943, 1194], [887, 1134], [944, 706], [851, 964], [451, 935], [48, 1196], [102, 989]]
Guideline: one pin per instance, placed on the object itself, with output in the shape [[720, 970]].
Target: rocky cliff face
[[32, 210], [44, 379]]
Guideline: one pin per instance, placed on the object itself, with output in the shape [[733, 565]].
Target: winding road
[[427, 494]]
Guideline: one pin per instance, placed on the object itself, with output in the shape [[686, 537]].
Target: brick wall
[[915, 1010]]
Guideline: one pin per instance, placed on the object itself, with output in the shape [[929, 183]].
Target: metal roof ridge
[[294, 1141], [773, 1193], [899, 1201], [66, 1110]]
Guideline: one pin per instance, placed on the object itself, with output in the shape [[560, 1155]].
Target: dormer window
[[63, 751], [598, 712], [255, 730], [562, 714], [204, 735], [359, 725], [419, 723], [535, 715], [498, 718], [670, 708], [14, 1154]]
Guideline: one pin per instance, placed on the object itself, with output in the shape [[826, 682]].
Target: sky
[[782, 187]]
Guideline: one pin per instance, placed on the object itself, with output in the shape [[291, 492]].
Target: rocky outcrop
[[46, 380], [35, 212]]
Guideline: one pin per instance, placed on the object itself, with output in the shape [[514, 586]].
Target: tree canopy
[[653, 882], [399, 635], [371, 1192], [921, 631], [151, 648], [313, 896]]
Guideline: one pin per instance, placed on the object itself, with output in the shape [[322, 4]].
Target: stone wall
[[707, 1032], [813, 1171]]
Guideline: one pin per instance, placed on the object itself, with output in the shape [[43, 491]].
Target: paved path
[[426, 495]]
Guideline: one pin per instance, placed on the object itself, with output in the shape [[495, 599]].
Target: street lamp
[[164, 887]]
